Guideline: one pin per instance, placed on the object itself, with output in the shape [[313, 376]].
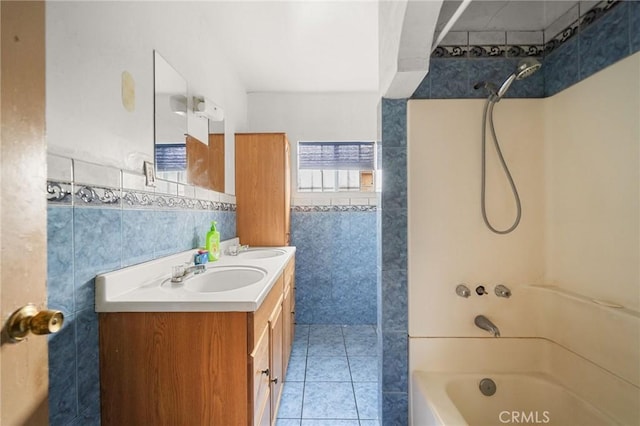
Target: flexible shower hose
[[488, 111]]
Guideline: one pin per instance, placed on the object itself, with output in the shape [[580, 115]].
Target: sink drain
[[487, 387]]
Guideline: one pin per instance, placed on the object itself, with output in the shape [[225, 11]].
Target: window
[[336, 166]]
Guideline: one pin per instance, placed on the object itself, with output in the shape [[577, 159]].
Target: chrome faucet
[[181, 273], [484, 323], [235, 250]]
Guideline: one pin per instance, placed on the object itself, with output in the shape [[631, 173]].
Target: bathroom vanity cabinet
[[197, 368], [263, 189]]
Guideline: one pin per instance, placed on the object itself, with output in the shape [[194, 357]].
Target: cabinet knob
[[265, 372], [275, 380]]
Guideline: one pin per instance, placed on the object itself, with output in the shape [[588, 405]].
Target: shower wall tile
[[561, 68], [525, 37], [394, 239], [394, 298], [634, 26], [488, 70], [424, 88], [561, 23], [455, 38], [605, 42], [449, 79], [395, 361], [394, 177], [391, 223], [487, 38], [395, 406], [394, 113]]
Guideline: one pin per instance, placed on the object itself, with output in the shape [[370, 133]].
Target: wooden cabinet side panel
[[261, 189], [197, 162], [287, 192], [174, 368], [216, 162]]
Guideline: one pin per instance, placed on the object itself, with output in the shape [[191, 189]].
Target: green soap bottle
[[212, 243]]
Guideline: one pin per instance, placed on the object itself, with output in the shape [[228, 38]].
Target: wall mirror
[[170, 121], [179, 156]]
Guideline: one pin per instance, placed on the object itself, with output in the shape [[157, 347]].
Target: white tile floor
[[332, 378]]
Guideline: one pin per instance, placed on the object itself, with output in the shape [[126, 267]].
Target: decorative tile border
[[324, 209], [519, 51], [65, 193]]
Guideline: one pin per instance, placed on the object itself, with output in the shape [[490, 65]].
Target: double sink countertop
[[147, 287]]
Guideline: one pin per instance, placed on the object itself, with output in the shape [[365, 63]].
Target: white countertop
[[138, 288]]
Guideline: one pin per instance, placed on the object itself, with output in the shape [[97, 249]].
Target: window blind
[[336, 155], [171, 157]]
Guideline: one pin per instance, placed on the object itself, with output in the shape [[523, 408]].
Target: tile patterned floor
[[332, 377]]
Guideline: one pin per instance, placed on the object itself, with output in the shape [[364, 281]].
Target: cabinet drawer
[[260, 375]]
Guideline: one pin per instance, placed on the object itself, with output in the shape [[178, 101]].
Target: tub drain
[[487, 387]]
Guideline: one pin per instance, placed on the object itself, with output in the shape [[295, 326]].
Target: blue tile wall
[[613, 36], [634, 26], [335, 267], [561, 68], [392, 268], [605, 42], [83, 242], [454, 78]]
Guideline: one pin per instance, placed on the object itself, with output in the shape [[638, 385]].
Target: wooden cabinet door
[[262, 189], [275, 368], [261, 383]]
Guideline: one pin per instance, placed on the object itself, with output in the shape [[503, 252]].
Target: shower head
[[525, 68]]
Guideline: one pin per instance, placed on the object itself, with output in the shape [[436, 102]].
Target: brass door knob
[[29, 319]]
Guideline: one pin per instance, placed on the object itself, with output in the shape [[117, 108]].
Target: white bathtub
[[525, 399]]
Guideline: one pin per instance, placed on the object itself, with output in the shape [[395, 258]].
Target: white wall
[[593, 185], [90, 44], [448, 241], [315, 117]]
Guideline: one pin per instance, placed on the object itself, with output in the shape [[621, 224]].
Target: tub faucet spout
[[484, 323]]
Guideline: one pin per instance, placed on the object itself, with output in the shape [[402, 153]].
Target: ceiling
[[512, 15], [301, 45], [332, 46]]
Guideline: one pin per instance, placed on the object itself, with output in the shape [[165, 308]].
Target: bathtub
[[452, 399]]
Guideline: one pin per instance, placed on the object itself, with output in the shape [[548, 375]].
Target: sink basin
[[224, 278], [261, 253]]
